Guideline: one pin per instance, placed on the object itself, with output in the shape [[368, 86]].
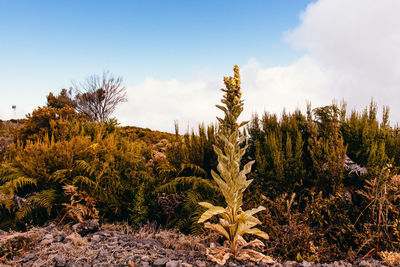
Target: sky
[[173, 55]]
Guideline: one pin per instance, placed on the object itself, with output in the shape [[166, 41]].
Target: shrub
[[107, 166]]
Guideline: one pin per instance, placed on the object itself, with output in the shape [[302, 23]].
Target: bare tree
[[98, 96]]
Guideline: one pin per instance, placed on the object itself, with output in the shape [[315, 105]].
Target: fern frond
[[83, 180], [70, 189], [192, 198], [196, 169], [84, 166], [184, 223], [196, 228], [7, 202], [81, 204], [9, 172], [166, 169], [183, 183], [59, 176], [44, 199], [12, 186]]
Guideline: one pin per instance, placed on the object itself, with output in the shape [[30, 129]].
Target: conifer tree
[[327, 150], [234, 222]]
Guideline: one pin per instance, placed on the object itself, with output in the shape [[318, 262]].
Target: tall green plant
[[234, 222]]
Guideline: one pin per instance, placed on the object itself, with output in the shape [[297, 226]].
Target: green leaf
[[12, 186], [215, 210], [217, 227], [254, 211], [222, 108], [247, 167], [258, 232], [243, 123], [206, 205], [248, 218]]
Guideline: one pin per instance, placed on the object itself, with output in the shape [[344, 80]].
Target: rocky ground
[[88, 244]]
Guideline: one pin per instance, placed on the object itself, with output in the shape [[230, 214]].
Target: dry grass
[[120, 227], [108, 249], [390, 258], [171, 239]]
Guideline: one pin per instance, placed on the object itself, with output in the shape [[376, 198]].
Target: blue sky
[[46, 44], [70, 39]]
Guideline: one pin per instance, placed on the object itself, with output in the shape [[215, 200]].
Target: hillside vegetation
[[328, 179]]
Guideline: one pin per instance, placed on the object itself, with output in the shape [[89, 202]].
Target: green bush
[[108, 166]]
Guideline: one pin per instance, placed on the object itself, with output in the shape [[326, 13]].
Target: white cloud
[[357, 44], [352, 53], [157, 104], [276, 88]]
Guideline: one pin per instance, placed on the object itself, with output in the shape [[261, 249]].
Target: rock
[[160, 262], [76, 239], [106, 233], [58, 238], [201, 263], [277, 265], [103, 254], [48, 236], [146, 258], [130, 261], [59, 260], [371, 262], [364, 263], [29, 257], [46, 241], [86, 227], [96, 262], [150, 243], [291, 264], [50, 227], [340, 264], [3, 232], [95, 238], [174, 264]]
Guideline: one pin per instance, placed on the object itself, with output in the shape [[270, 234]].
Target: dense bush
[[109, 167], [318, 206]]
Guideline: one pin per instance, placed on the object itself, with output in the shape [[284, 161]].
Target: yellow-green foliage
[[234, 222], [318, 208], [327, 150], [145, 135], [187, 174], [48, 121], [107, 165]]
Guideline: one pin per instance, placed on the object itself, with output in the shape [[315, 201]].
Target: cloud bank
[[356, 43], [351, 53]]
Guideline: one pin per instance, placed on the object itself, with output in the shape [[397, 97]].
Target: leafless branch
[[98, 96]]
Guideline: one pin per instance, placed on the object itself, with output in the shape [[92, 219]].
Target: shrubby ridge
[[328, 179]]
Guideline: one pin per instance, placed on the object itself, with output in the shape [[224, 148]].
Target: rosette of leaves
[[234, 223]]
